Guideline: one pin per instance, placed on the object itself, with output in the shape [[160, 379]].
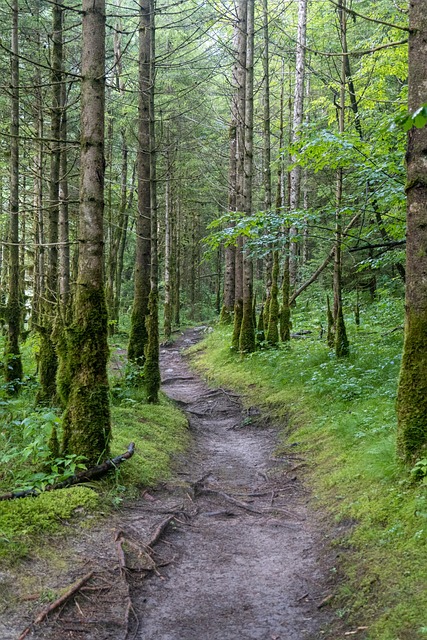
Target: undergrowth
[[27, 461], [341, 415]]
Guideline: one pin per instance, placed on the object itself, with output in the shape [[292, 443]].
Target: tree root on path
[[54, 605]]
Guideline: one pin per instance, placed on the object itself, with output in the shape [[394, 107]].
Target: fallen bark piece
[[54, 605], [79, 478], [353, 633], [325, 601]]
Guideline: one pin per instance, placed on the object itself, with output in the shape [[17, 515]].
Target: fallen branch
[[224, 495], [54, 605], [93, 473]]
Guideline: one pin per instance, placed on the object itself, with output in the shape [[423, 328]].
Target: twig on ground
[[57, 603]]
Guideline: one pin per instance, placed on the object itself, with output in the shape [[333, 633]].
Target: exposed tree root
[[93, 473], [54, 605]]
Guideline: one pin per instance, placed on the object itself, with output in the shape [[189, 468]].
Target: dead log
[[54, 605], [94, 473]]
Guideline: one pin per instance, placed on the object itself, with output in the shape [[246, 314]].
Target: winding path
[[244, 552]]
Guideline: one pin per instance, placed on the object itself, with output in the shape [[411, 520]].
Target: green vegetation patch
[[28, 517], [340, 414], [159, 432]]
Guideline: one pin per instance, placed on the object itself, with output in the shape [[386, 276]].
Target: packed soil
[[229, 549]]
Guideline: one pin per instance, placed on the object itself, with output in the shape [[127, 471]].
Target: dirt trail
[[237, 559], [246, 559]]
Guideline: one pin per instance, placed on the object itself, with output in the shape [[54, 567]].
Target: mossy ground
[[159, 433], [341, 416]]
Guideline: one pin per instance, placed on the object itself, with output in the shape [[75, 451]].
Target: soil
[[229, 549]]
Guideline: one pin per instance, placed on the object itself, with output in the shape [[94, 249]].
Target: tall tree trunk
[[341, 340], [48, 361], [240, 163], [267, 150], [167, 324], [152, 366], [230, 250], [247, 341], [64, 224], [13, 365], [412, 392], [38, 222], [177, 277], [295, 176], [138, 333], [87, 429]]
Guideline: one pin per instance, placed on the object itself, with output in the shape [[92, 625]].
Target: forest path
[[226, 550], [244, 549]]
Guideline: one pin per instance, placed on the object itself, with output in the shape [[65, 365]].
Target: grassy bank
[[159, 433], [341, 414]]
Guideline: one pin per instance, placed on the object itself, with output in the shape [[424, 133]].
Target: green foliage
[[419, 470], [340, 415], [417, 119], [29, 517]]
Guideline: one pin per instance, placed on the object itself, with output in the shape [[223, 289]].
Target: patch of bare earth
[[228, 550]]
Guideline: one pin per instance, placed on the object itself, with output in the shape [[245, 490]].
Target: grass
[[341, 414], [159, 432]]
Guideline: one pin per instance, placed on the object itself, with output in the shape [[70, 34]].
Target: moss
[[22, 519], [272, 335], [247, 330], [47, 365], [151, 366], [167, 315], [285, 311], [138, 337], [225, 317], [267, 312], [87, 430], [330, 335], [238, 315], [53, 444], [342, 347], [63, 372], [412, 390], [260, 328]]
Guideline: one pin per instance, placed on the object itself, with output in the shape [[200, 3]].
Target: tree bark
[[138, 333], [240, 166], [48, 360], [412, 391], [152, 365], [341, 340], [87, 429], [247, 342], [295, 175], [13, 368]]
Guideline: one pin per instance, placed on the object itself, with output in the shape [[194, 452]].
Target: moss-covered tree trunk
[[152, 365], [87, 429], [48, 360], [412, 392], [138, 332], [341, 340], [240, 163], [247, 341], [272, 334], [13, 363], [285, 311], [168, 276], [227, 309]]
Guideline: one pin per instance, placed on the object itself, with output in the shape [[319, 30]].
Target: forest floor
[[228, 549]]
